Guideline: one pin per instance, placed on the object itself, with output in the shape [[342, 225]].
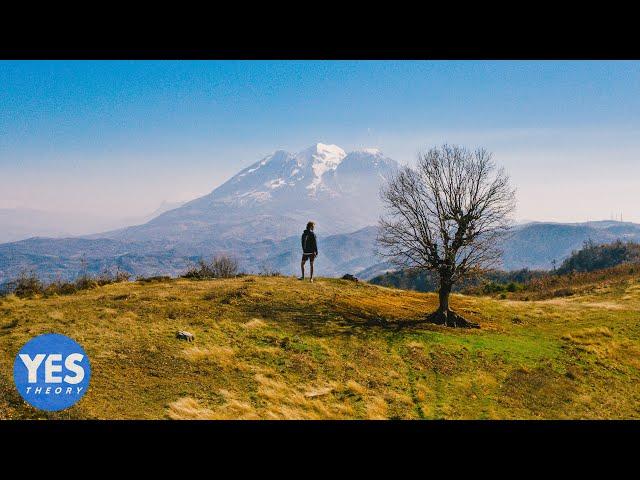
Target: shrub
[[563, 292], [60, 288], [225, 267], [107, 277], [199, 271], [492, 287], [85, 282], [220, 267], [154, 279], [26, 285]]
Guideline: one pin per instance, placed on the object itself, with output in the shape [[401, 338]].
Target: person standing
[[309, 249]]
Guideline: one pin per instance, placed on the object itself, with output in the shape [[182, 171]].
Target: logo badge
[[52, 372]]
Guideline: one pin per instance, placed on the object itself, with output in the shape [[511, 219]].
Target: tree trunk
[[445, 291], [444, 315]]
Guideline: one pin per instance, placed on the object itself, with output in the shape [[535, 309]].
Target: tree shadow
[[332, 320]]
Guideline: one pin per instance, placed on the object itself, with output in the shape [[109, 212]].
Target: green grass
[[275, 347]]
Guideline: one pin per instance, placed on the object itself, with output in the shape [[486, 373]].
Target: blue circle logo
[[52, 372]]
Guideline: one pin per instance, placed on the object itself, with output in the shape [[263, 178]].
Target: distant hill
[[598, 257], [536, 245], [591, 257], [66, 258], [533, 246], [338, 254]]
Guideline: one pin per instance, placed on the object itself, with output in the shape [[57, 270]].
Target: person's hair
[[310, 225]]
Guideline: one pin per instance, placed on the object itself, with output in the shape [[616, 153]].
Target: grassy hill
[[275, 347]]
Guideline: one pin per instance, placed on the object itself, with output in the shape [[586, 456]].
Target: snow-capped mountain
[[280, 174], [274, 197]]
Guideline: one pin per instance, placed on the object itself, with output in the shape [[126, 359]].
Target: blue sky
[[118, 138]]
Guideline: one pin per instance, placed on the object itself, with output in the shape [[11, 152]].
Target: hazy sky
[[118, 138]]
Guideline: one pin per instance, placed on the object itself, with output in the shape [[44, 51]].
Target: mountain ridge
[[532, 246]]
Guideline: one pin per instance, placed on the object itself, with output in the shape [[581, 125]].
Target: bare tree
[[447, 215]]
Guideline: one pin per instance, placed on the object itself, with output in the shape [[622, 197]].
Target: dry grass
[[223, 356], [234, 409], [254, 323], [601, 342], [579, 283], [56, 315], [276, 348], [189, 409]]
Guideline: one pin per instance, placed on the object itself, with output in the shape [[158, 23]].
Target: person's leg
[[302, 262], [311, 259]]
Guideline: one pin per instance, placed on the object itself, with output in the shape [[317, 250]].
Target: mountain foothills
[[257, 217], [538, 245]]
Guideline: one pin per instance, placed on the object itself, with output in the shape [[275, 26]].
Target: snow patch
[[323, 158], [254, 195], [262, 163], [275, 183]]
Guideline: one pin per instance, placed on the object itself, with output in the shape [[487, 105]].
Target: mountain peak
[[324, 152], [335, 149], [320, 158]]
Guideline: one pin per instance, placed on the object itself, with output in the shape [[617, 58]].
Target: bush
[[60, 288], [107, 277], [219, 267], [224, 267], [200, 271], [563, 292], [154, 279], [85, 282], [26, 285], [495, 287], [492, 287]]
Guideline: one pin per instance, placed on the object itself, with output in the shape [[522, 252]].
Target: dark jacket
[[309, 244]]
